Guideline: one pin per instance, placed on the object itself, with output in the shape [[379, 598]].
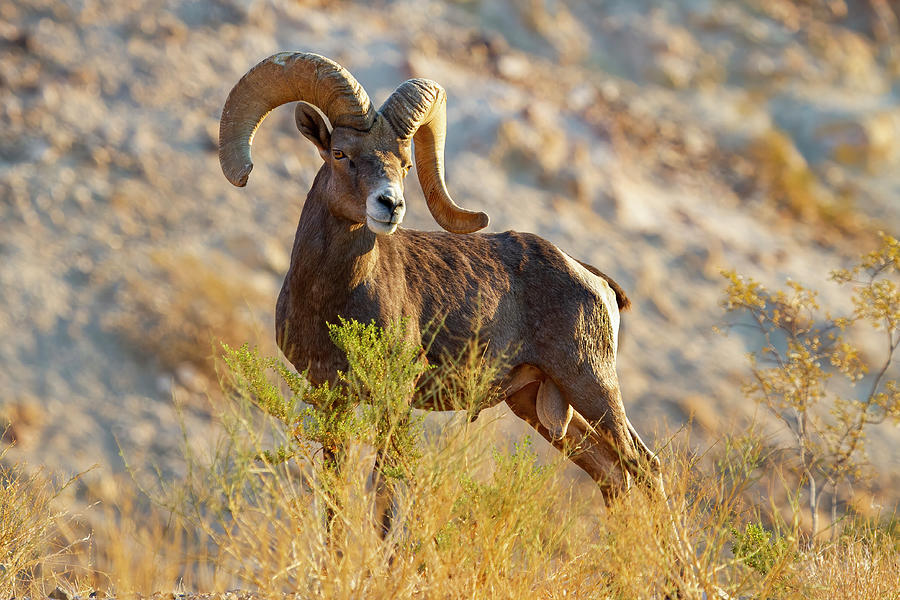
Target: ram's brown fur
[[515, 291]]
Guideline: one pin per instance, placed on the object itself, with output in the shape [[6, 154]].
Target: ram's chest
[[303, 313]]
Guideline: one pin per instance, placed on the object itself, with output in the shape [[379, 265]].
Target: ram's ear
[[312, 125]]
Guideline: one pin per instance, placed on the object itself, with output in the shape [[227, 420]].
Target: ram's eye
[[406, 169], [338, 154]]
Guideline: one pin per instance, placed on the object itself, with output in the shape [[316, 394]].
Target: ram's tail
[[621, 299]]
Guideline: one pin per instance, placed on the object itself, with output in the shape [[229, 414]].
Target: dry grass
[[861, 567], [470, 525], [28, 528], [134, 547], [471, 519]]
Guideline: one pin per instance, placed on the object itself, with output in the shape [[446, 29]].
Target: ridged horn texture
[[282, 78], [418, 109]]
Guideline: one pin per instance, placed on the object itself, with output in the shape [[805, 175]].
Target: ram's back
[[517, 291]]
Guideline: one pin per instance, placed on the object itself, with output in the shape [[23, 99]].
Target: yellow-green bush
[[806, 353]]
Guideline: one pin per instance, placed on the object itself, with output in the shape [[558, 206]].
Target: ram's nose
[[394, 204], [390, 201]]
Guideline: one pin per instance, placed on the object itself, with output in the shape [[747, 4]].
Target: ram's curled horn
[[282, 78], [418, 108]]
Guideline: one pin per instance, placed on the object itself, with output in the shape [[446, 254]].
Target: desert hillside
[[661, 142]]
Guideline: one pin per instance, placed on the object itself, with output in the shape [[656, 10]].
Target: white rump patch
[[603, 290]]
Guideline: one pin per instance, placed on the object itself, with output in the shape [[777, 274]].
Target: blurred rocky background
[[659, 141]]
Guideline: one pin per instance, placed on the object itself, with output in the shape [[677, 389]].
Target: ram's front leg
[[383, 510], [389, 457], [332, 457]]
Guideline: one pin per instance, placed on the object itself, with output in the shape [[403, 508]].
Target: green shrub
[[758, 548], [370, 403]]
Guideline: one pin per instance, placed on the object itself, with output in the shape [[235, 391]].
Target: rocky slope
[[661, 144]]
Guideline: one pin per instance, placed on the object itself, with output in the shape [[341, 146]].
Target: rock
[[513, 66], [849, 56], [582, 97], [869, 140], [672, 71], [59, 594], [164, 384], [190, 378], [649, 47], [259, 252], [703, 411], [21, 420]]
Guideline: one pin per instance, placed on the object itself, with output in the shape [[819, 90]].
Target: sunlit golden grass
[[863, 566], [472, 517], [132, 546], [475, 522], [28, 527]]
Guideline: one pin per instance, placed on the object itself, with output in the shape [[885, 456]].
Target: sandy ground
[[647, 141]]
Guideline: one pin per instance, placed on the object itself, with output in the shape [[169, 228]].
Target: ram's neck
[[331, 257], [337, 251]]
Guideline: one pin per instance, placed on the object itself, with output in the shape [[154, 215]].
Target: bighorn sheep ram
[[350, 259]]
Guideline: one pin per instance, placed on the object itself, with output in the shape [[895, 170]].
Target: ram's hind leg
[[595, 451], [650, 466], [610, 450]]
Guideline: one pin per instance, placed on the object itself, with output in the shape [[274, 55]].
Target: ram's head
[[366, 152]]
